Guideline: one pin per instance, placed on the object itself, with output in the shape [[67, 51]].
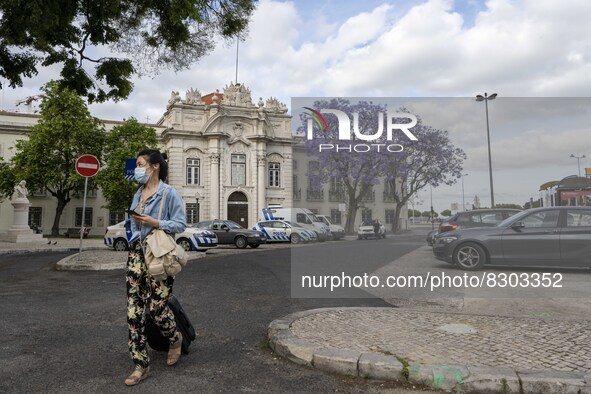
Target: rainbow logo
[[318, 118]]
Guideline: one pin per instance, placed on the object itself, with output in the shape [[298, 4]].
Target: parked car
[[476, 218], [229, 232], [471, 219], [542, 237], [366, 230], [301, 216], [284, 231], [337, 232], [118, 235]]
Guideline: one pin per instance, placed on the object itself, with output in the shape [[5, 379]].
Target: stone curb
[[71, 263], [47, 250], [451, 378]]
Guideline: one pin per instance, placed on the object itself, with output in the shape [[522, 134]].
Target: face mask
[[140, 175]]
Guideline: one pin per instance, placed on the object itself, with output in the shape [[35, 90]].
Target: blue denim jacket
[[173, 212]]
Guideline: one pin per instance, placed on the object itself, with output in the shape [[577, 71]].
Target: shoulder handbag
[[163, 256]]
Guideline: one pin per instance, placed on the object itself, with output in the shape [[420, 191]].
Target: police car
[[118, 235], [284, 231]]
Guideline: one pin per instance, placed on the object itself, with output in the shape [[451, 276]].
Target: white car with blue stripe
[[284, 231], [196, 239]]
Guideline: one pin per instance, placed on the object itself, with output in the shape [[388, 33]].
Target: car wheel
[[359, 237], [184, 242], [120, 245], [240, 242], [294, 239], [384, 236], [254, 246], [469, 256]]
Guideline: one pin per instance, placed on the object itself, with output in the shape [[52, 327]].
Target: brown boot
[[174, 351]]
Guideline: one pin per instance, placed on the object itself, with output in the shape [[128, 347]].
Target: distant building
[[228, 158]]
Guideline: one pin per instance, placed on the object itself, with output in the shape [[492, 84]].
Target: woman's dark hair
[[155, 157]]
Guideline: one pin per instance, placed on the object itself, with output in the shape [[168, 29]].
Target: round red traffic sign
[[87, 165]]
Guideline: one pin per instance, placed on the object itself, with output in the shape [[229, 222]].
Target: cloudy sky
[[433, 48]]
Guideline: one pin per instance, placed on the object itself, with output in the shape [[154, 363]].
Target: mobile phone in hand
[[132, 213]]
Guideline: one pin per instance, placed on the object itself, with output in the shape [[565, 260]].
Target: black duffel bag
[[160, 343]]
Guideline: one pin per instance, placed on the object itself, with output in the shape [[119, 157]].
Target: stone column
[[215, 185], [261, 184]]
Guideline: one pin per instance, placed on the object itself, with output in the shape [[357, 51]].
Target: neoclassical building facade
[[228, 157]]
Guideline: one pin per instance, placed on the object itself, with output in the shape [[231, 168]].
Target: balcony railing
[[315, 195], [297, 194], [337, 195]]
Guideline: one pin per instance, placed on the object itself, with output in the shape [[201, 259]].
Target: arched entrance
[[238, 208]]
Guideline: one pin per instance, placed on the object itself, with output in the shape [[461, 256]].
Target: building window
[[92, 192], [335, 216], [35, 217], [295, 165], [297, 193], [390, 214], [274, 172], [192, 211], [116, 217], [192, 171], [39, 192], [87, 217], [366, 215], [238, 170]]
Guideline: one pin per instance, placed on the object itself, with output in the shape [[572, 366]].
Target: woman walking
[[143, 290]]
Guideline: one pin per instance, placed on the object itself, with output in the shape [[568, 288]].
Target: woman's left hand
[[147, 220]]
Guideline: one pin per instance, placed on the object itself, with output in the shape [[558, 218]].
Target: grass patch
[[405, 365]]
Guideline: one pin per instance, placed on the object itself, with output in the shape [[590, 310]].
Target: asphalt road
[[66, 331]]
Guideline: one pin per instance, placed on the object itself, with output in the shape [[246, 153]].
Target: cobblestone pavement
[[446, 338]]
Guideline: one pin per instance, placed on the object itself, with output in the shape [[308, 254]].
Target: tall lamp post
[[578, 162], [463, 196], [486, 98]]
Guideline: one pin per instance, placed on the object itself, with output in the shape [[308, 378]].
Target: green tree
[[446, 212], [123, 142], [143, 36], [46, 160]]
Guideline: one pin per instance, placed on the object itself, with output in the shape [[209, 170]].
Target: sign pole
[[86, 166], [83, 216]]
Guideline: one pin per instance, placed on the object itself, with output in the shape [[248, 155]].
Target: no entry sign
[[87, 165]]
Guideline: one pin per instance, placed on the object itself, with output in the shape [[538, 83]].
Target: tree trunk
[[351, 214], [61, 204], [396, 221]]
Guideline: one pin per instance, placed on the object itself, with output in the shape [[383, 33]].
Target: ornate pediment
[[193, 97], [275, 106], [237, 95]]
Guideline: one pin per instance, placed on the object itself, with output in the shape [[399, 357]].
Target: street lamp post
[[463, 195], [578, 162], [485, 98]]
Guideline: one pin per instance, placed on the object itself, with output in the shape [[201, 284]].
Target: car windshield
[[366, 223], [204, 225], [232, 224], [325, 220]]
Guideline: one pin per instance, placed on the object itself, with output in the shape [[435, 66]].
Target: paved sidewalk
[[496, 340], [460, 352]]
